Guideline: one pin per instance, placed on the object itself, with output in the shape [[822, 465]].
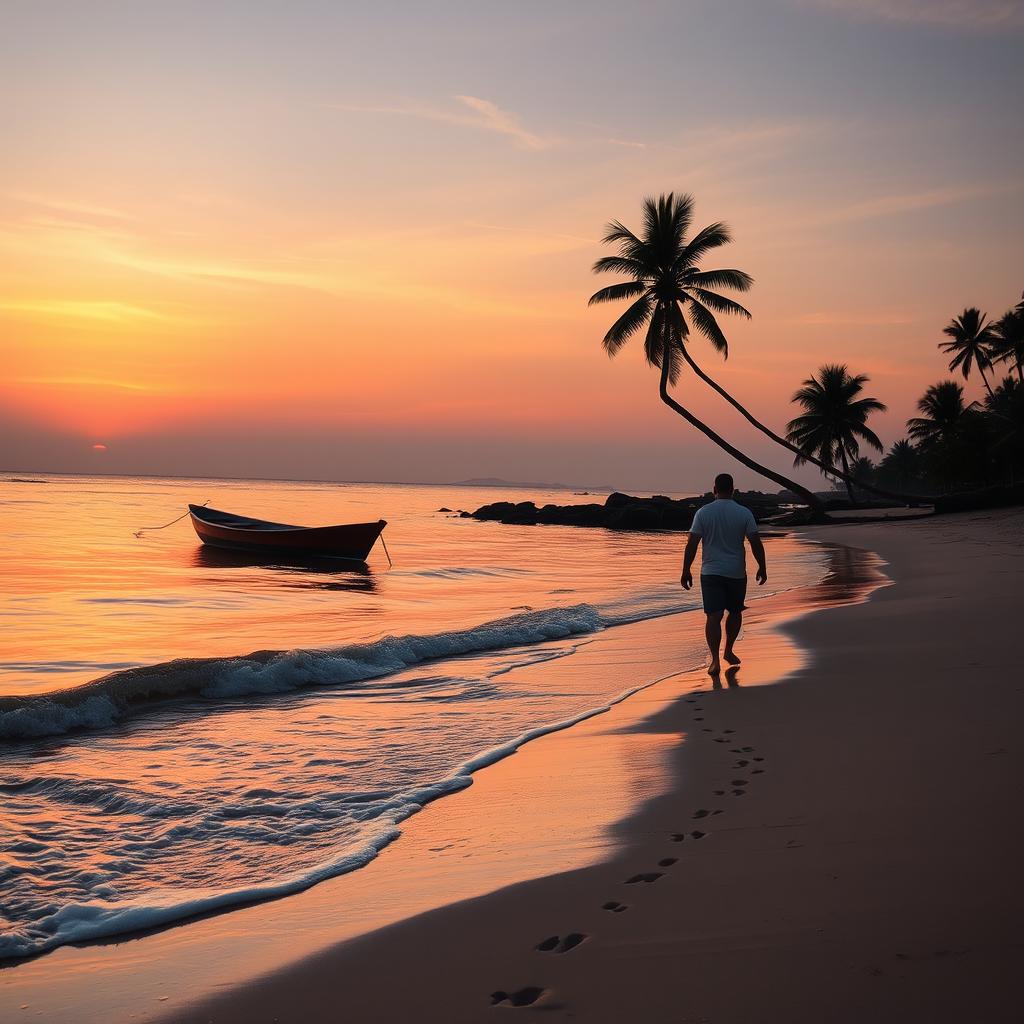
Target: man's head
[[724, 485]]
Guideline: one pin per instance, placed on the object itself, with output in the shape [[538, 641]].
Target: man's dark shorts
[[723, 593]]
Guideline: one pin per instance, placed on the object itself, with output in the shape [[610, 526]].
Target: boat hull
[[352, 541]]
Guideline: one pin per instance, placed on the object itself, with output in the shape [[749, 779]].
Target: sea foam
[[114, 697]]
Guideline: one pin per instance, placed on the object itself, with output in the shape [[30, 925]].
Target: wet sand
[[841, 847]]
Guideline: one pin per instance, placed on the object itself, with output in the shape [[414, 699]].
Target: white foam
[[80, 922], [106, 700]]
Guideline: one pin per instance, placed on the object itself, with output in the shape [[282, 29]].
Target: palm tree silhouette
[[666, 279], [972, 343], [943, 411], [1009, 339], [639, 259], [834, 421], [902, 462]]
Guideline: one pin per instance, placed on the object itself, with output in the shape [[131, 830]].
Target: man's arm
[[757, 550], [692, 543]]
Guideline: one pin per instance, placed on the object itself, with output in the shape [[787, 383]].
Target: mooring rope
[[147, 529]]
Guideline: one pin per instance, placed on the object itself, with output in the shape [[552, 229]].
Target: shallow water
[[265, 774]]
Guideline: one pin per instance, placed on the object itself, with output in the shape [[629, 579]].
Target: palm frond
[[627, 325], [719, 303], [705, 322], [614, 292], [726, 278], [621, 265], [660, 343], [708, 238]]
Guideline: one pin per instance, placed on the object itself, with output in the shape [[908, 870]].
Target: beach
[[869, 872], [837, 846]]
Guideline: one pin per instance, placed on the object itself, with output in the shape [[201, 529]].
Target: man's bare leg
[[733, 622], [713, 632]]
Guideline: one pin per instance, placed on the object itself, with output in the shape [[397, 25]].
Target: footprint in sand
[[523, 997], [757, 771], [678, 837], [739, 782], [701, 813], [667, 862], [556, 944], [614, 907], [647, 876]]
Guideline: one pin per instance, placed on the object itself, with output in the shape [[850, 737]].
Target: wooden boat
[[352, 541]]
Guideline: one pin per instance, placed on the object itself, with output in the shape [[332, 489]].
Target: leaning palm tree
[[834, 420], [669, 292], [972, 343], [1009, 340], [943, 412], [663, 269]]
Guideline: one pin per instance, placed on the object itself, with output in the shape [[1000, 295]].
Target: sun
[[99, 447]]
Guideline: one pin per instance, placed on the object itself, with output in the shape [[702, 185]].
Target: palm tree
[[666, 279], [972, 342], [902, 463], [638, 260], [834, 421], [944, 411], [1009, 339]]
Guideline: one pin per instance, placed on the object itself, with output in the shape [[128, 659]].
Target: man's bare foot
[[732, 657], [714, 668]]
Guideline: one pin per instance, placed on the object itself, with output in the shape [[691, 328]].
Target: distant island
[[497, 481]]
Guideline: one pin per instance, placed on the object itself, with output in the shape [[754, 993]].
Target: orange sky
[[341, 259]]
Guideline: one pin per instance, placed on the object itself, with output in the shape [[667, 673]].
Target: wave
[[97, 919], [116, 696]]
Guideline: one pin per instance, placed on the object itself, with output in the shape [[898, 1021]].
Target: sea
[[184, 729]]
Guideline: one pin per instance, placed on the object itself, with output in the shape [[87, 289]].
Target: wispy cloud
[[480, 113], [908, 202], [91, 382], [493, 118], [972, 14], [88, 310], [67, 206]]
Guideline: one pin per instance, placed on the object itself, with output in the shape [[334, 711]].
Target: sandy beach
[[840, 847]]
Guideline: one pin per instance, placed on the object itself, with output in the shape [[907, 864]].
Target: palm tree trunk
[[911, 499], [984, 380], [846, 477], [809, 499]]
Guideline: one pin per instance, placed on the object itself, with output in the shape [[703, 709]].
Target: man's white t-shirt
[[722, 527]]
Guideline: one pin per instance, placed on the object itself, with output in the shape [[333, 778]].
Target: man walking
[[721, 526]]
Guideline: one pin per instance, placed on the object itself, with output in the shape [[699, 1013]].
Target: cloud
[[908, 202], [494, 119], [973, 14], [86, 382], [483, 114], [89, 310], [68, 206]]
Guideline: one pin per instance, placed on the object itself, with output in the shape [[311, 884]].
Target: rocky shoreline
[[629, 512]]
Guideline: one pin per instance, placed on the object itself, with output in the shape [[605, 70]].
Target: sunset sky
[[353, 241]]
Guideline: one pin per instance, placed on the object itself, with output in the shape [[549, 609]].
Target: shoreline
[[845, 885], [141, 967]]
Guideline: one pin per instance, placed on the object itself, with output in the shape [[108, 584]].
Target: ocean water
[[183, 729]]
